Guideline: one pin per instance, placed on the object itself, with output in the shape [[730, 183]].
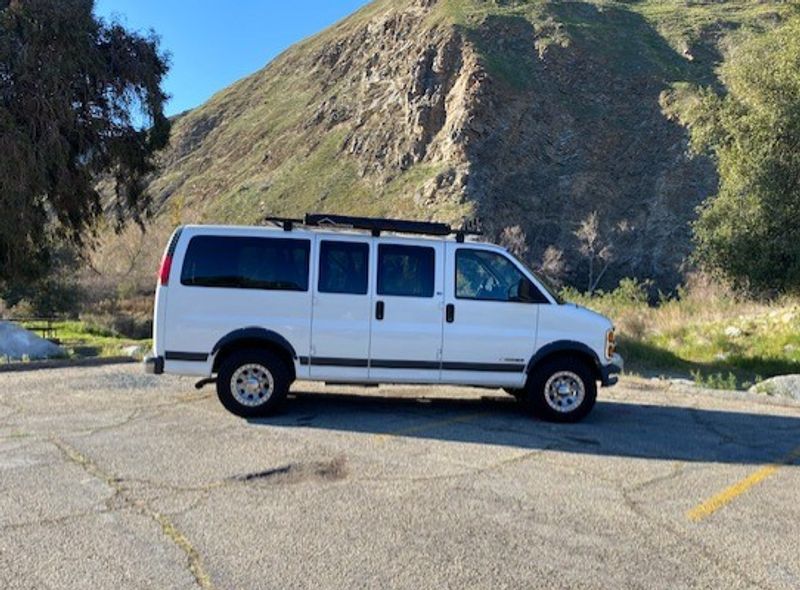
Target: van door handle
[[379, 310], [450, 313]]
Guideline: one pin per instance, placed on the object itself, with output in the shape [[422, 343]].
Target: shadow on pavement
[[620, 429]]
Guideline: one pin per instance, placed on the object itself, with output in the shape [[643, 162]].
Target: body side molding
[[412, 364], [179, 355]]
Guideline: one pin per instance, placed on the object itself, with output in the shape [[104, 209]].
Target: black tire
[[575, 373], [271, 366]]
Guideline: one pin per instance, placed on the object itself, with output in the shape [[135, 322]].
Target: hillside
[[521, 113]]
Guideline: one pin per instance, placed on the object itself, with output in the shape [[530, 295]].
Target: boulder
[[134, 351], [17, 343], [787, 386]]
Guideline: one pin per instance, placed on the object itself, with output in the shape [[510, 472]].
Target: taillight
[[166, 266], [166, 262]]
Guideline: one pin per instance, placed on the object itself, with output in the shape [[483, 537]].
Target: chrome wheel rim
[[564, 391], [252, 385]]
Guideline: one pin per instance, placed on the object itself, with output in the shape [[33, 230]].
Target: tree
[[552, 265], [80, 98], [599, 254], [750, 231]]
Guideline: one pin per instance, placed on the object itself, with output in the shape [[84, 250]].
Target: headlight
[[611, 343]]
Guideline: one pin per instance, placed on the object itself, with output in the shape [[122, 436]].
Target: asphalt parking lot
[[110, 478]]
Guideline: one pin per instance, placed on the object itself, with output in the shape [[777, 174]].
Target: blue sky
[[214, 43]]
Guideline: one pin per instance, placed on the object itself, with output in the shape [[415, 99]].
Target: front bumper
[[609, 374], [154, 365]]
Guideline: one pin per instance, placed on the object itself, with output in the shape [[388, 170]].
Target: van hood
[[591, 316]]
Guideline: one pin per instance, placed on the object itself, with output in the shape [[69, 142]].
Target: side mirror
[[525, 290]]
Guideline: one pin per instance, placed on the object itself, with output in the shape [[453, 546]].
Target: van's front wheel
[[562, 390], [252, 382]]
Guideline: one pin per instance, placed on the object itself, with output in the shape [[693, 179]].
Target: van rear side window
[[246, 263]]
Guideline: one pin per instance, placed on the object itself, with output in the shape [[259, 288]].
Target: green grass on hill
[[678, 37]]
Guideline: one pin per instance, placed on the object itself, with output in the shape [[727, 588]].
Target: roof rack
[[287, 223], [375, 225]]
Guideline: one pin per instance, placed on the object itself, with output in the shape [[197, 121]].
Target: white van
[[359, 301]]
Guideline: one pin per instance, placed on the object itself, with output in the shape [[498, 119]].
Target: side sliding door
[[342, 310], [407, 312]]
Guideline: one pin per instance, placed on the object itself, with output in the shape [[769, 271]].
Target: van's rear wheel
[[252, 382], [562, 390]]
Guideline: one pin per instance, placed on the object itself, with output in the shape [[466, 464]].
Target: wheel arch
[[253, 337], [568, 349]]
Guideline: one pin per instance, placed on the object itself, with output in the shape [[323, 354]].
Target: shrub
[[715, 380], [722, 340], [51, 296], [131, 318]]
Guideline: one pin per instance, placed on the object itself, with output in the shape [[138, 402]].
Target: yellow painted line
[[429, 426], [729, 494]]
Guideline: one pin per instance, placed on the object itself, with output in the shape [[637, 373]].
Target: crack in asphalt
[[706, 424], [763, 448], [626, 494], [141, 412], [15, 436], [57, 519], [168, 528], [138, 412], [134, 415], [179, 489], [678, 468], [519, 458], [713, 558], [633, 505]]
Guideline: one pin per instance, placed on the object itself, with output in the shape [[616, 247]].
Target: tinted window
[[407, 271], [246, 263], [343, 267], [489, 276]]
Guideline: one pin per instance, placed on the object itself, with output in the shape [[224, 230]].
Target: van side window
[[405, 271], [343, 267], [246, 263], [489, 276]]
